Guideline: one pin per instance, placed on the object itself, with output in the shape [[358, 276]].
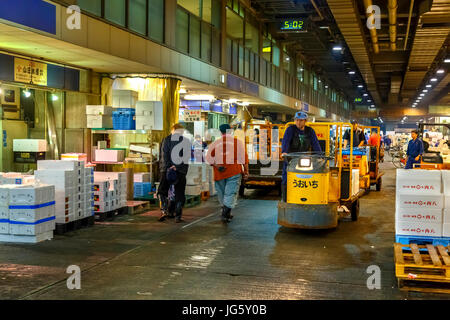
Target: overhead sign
[[192, 115], [292, 24], [30, 71], [36, 14], [305, 106]]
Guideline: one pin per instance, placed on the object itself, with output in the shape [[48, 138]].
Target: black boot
[[229, 215], [164, 203], [171, 209], [178, 212], [283, 192], [226, 214]]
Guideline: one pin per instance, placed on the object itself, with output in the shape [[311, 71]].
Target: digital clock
[[292, 24]]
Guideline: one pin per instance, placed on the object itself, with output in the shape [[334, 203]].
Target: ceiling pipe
[[409, 24], [392, 7], [317, 9], [373, 31]]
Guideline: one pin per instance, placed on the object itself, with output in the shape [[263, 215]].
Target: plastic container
[[142, 189], [124, 119]]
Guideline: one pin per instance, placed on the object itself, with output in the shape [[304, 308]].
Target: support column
[[170, 22], [223, 35]]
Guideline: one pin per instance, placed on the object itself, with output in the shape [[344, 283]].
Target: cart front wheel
[[379, 184], [355, 210]]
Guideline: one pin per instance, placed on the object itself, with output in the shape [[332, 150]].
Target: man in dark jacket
[[174, 163], [297, 138]]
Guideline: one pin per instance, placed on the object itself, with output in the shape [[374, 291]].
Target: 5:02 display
[[291, 24]]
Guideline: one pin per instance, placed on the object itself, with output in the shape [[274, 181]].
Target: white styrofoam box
[[446, 230], [194, 175], [148, 108], [418, 181], [430, 229], [446, 182], [98, 110], [100, 206], [101, 185], [140, 149], [144, 123], [26, 239], [105, 155], [31, 214], [74, 156], [16, 178], [61, 179], [31, 229], [419, 215], [102, 196], [60, 165], [112, 194], [4, 193], [29, 145], [4, 213], [420, 201], [205, 187], [100, 175], [4, 227], [141, 177], [99, 121], [193, 190], [31, 194], [355, 181], [65, 219], [124, 98]]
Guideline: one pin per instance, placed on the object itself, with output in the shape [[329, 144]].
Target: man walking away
[[174, 162], [415, 150], [228, 157]]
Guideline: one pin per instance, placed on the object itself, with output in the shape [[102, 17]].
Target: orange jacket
[[227, 152]]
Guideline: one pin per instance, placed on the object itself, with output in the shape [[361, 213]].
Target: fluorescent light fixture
[[447, 60], [428, 86], [422, 94], [413, 105], [425, 90], [440, 71], [27, 93], [369, 100], [182, 90], [326, 87], [232, 100], [419, 98], [372, 106], [365, 94], [323, 27], [433, 79], [199, 97], [222, 78], [320, 81], [287, 58], [351, 72], [245, 104], [54, 97], [360, 86], [337, 48], [1, 91]]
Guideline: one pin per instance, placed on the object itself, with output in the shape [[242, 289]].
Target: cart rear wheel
[[355, 210], [379, 184]]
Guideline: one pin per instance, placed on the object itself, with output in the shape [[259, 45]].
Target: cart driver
[[297, 138], [359, 138]]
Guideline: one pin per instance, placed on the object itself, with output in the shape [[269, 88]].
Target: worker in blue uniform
[[415, 150], [297, 138]]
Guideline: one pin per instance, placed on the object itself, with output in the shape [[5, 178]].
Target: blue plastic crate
[[356, 152], [142, 189], [420, 240], [124, 119]]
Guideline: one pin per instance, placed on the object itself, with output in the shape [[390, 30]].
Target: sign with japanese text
[[192, 115], [30, 71]]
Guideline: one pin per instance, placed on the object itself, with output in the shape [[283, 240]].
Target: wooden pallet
[[423, 268], [192, 201], [204, 195], [61, 228], [135, 207], [102, 216]]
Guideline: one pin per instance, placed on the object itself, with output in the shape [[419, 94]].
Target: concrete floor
[[136, 257]]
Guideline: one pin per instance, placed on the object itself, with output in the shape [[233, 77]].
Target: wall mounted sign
[[192, 115], [30, 71]]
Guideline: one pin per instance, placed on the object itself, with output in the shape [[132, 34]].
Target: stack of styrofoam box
[[16, 178], [99, 116], [149, 115], [88, 191], [141, 177], [124, 98], [210, 178], [110, 190], [194, 179], [74, 156], [73, 187], [30, 213], [419, 203], [446, 189], [29, 145]]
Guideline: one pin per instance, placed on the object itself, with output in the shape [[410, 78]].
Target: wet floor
[[136, 257]]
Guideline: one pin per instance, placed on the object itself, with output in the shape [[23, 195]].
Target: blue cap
[[301, 115]]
